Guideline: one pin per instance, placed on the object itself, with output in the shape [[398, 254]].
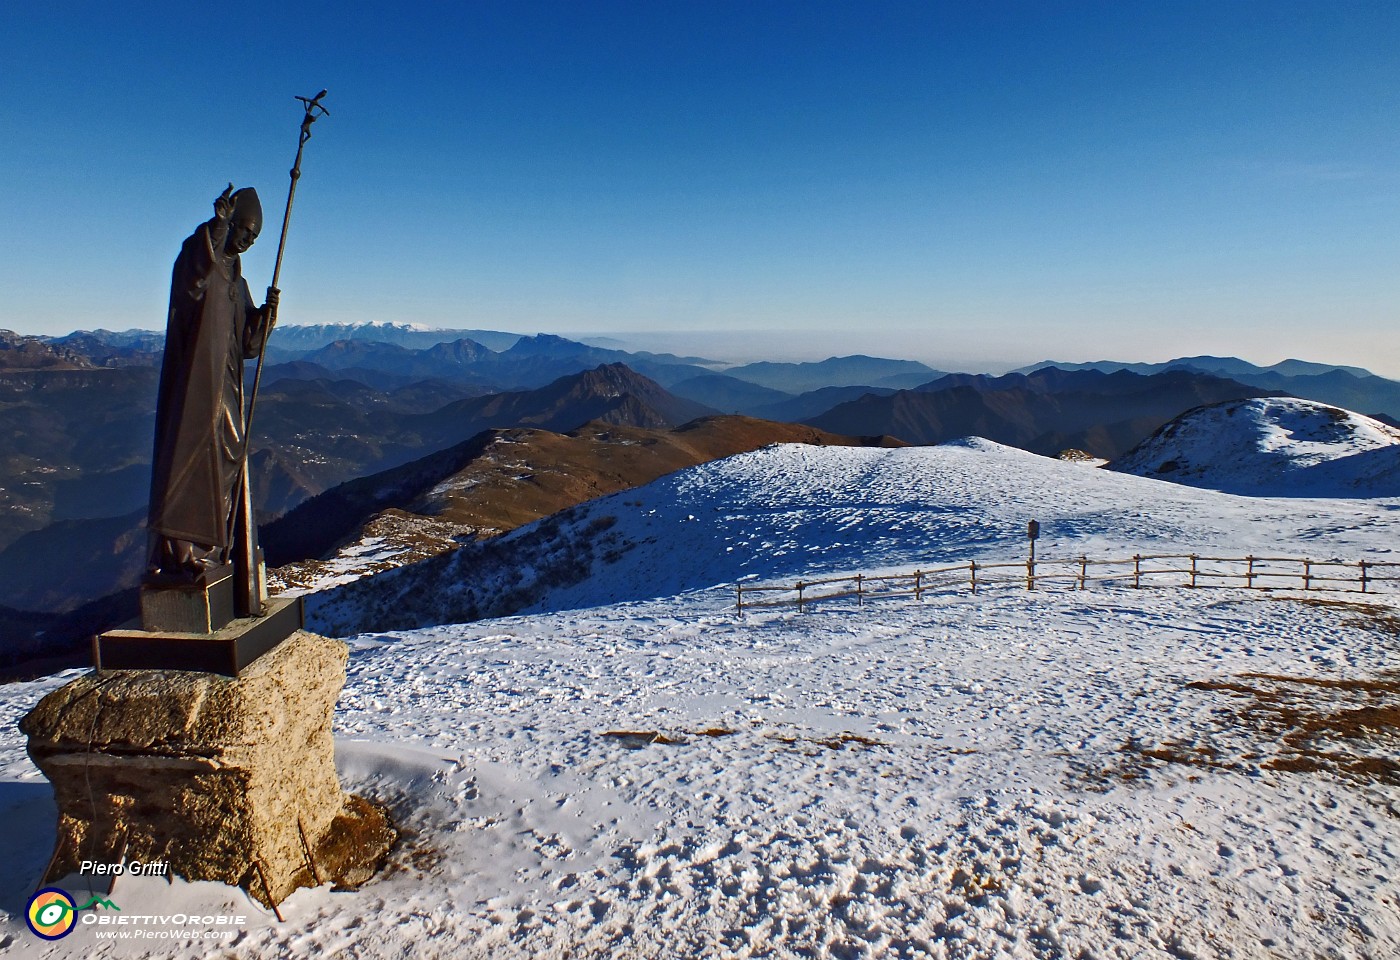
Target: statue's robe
[[212, 327]]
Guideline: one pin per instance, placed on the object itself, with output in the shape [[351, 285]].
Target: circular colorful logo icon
[[51, 913]]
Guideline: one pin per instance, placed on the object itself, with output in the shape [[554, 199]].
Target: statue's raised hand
[[223, 205]]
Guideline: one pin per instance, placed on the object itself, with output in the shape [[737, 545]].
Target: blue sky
[[966, 183]]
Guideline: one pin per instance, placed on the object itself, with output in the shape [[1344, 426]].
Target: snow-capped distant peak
[[365, 325], [1273, 446]]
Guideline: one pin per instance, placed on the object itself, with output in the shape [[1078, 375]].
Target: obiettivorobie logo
[[52, 914]]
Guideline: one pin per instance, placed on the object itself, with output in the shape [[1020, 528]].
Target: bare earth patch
[[1345, 726]]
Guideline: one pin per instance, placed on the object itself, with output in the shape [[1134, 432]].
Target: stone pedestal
[[224, 779]]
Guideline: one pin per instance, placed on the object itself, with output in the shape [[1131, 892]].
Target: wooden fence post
[[1249, 573], [739, 592], [800, 585], [918, 584], [1193, 569], [1363, 566], [1083, 571], [860, 593], [1137, 571], [1307, 574], [974, 576]]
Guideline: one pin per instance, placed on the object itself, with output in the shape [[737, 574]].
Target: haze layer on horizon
[[988, 183]]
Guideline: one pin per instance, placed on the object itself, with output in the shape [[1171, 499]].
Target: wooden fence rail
[[1139, 570]]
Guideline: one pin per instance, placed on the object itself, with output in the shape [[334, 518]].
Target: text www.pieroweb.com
[[139, 934]]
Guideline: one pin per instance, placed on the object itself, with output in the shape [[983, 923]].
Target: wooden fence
[[1141, 570]]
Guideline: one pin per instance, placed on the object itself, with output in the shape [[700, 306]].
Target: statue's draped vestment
[[212, 327]]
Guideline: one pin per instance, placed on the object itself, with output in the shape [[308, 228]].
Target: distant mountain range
[[390, 355], [528, 362], [1045, 412], [1223, 366], [1351, 387]]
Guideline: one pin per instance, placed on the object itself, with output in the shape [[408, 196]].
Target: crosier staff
[[250, 588], [312, 105]]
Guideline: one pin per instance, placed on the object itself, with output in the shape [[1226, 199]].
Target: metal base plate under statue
[[228, 650], [192, 626]]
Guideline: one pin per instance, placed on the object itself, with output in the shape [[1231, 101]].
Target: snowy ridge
[[1276, 446], [795, 510]]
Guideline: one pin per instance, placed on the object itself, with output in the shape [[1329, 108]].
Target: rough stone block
[[224, 779]]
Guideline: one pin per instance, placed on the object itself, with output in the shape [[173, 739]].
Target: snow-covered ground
[[1157, 773]]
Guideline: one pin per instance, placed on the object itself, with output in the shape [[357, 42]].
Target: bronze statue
[[201, 438], [201, 512]]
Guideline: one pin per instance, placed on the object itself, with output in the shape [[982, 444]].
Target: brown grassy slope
[[517, 476], [529, 474]]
